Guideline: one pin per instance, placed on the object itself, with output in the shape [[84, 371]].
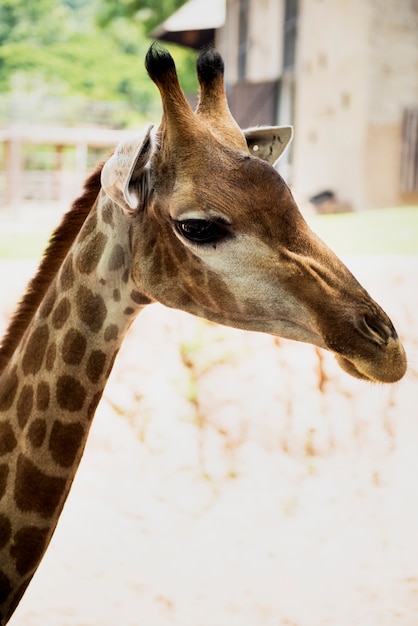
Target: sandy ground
[[234, 480]]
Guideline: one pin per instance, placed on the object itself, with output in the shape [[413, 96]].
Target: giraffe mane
[[58, 246]]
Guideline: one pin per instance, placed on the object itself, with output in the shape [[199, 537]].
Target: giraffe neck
[[51, 388]]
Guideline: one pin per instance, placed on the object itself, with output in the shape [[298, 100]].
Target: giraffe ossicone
[[192, 214]]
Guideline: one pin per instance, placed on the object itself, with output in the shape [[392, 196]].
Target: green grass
[[384, 231]]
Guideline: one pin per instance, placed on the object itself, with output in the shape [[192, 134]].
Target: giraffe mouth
[[388, 366], [385, 363], [350, 368]]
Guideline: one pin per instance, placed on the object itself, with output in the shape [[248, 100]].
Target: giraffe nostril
[[378, 329]]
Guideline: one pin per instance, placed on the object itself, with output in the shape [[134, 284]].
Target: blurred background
[[230, 478]]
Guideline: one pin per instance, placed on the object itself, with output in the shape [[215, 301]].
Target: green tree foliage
[[40, 22], [151, 12], [83, 48]]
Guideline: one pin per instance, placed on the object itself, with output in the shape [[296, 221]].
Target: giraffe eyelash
[[201, 231]]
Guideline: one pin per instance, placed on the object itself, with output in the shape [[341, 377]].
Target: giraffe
[[192, 214]]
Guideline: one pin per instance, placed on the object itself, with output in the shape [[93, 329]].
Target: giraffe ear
[[125, 176], [268, 142]]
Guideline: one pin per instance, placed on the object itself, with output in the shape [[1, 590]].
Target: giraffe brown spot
[[5, 589], [91, 253], [28, 546], [65, 442], [61, 313], [74, 347], [42, 396], [116, 295], [95, 365], [91, 309], [140, 298], [67, 274], [17, 597], [111, 362], [51, 356], [36, 491], [89, 227], [35, 350], [111, 332], [8, 440], [9, 390], [129, 310], [5, 530], [4, 473], [107, 214], [117, 258], [125, 275], [37, 432], [71, 394], [93, 404], [48, 303], [24, 405]]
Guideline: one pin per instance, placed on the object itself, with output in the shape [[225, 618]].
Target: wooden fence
[[21, 181], [409, 151]]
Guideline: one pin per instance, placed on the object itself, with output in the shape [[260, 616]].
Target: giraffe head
[[216, 232]]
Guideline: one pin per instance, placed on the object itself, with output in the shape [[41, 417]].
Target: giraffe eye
[[203, 231]]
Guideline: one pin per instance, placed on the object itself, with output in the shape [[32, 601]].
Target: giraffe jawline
[[350, 368]]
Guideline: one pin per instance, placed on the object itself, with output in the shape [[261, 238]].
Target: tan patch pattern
[[93, 404], [111, 333], [16, 598], [71, 394], [51, 356], [61, 313], [29, 480], [5, 588], [5, 530], [125, 275], [91, 308], [95, 365], [34, 353], [74, 347], [90, 225], [27, 548], [4, 473], [8, 395], [42, 396], [67, 275], [117, 258], [91, 253], [37, 432], [8, 440], [48, 303], [24, 405], [65, 442], [107, 214]]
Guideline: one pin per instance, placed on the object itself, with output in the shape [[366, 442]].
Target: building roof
[[193, 24]]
